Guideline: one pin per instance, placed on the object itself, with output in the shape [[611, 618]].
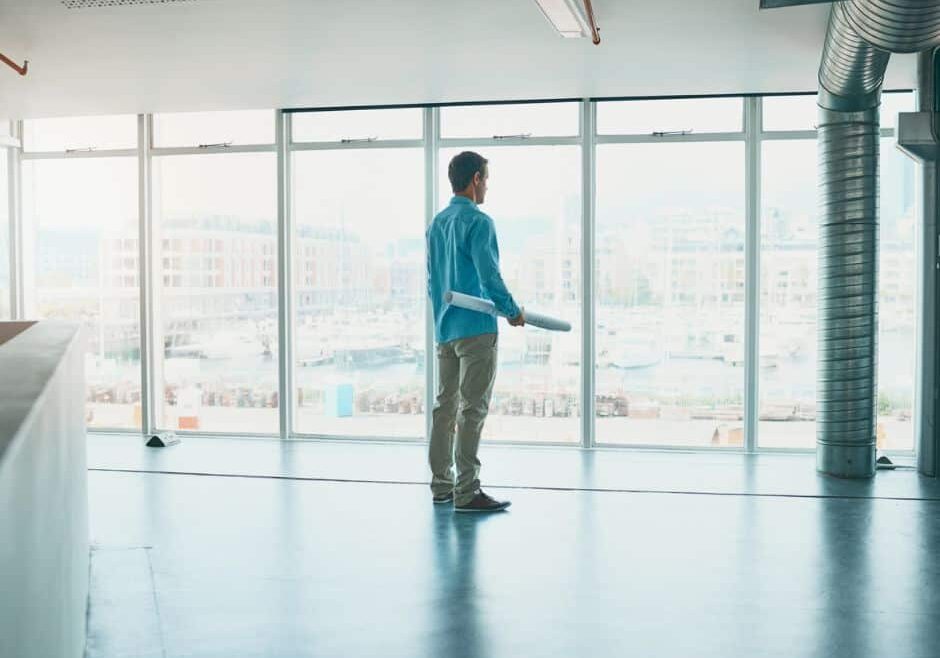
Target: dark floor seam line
[[520, 487], [156, 603]]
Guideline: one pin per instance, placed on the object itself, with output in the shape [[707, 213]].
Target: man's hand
[[519, 320]]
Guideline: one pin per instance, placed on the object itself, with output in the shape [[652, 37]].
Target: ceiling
[[240, 54]]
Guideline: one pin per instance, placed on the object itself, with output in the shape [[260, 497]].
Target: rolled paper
[[480, 305]]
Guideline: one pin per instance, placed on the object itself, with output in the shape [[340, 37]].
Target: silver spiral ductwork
[[852, 70], [897, 26], [860, 38], [846, 387]]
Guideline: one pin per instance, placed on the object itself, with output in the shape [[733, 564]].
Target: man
[[463, 256]]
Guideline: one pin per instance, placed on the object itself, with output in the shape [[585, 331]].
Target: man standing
[[463, 257]]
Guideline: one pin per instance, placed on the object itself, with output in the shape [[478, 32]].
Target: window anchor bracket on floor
[[162, 440]]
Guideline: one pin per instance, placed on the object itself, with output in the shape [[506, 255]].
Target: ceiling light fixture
[[572, 19]]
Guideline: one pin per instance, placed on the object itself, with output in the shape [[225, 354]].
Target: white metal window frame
[[750, 109], [753, 269], [12, 147], [752, 136], [24, 296], [583, 135], [153, 386], [288, 397]]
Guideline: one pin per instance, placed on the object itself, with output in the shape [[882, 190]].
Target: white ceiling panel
[[146, 55]]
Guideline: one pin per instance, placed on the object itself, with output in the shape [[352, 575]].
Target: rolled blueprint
[[486, 306]]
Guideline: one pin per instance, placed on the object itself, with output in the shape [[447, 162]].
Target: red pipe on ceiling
[[595, 32], [16, 67]]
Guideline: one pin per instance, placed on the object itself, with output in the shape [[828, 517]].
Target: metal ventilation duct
[[905, 26], [860, 38], [851, 71]]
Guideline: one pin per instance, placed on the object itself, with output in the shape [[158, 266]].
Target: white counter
[[43, 491]]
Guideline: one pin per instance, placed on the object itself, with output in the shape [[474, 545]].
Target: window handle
[[219, 145], [353, 140], [663, 133], [519, 136], [84, 149]]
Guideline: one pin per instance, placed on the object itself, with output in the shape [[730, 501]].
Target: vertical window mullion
[[15, 195], [432, 129], [588, 188], [752, 169], [284, 279], [148, 384]]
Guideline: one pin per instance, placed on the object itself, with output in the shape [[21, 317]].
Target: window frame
[[752, 136]]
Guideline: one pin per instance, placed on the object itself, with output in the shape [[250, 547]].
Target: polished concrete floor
[[250, 548]]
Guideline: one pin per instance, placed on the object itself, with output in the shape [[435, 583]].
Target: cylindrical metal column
[[846, 392], [861, 36]]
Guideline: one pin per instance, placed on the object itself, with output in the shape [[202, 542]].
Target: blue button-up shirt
[[463, 256]]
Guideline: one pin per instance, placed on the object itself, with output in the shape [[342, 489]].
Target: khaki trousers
[[466, 371]]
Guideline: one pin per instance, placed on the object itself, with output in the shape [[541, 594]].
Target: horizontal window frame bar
[[419, 106], [340, 146], [653, 447], [670, 139], [206, 434], [212, 150], [756, 94], [457, 142], [352, 438], [542, 101], [346, 438], [785, 135], [78, 155], [132, 433], [783, 451], [811, 451]]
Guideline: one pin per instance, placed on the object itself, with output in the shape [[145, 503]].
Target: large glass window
[[790, 112], [81, 218], [81, 133], [897, 285], [669, 269], [801, 112], [534, 199], [788, 282], [203, 129], [360, 288], [694, 115], [357, 126], [670, 294], [893, 103], [511, 120], [215, 255]]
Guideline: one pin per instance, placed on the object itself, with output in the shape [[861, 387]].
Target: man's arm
[[485, 254]]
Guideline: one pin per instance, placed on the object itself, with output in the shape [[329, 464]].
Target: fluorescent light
[[567, 17]]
